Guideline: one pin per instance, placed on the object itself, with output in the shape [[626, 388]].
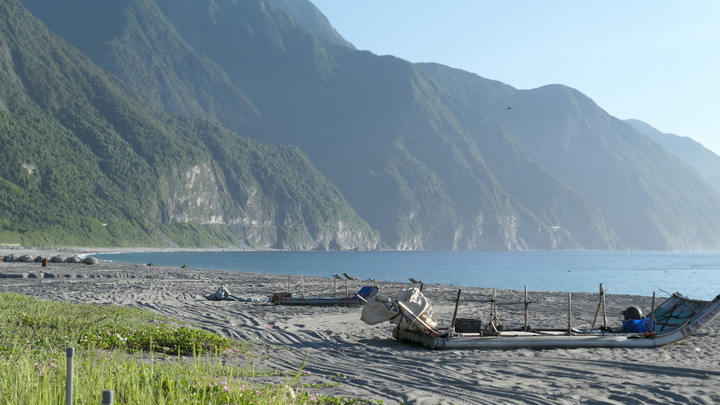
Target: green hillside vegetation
[[85, 160], [428, 156]]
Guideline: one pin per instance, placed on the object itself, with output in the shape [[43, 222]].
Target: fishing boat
[[676, 318], [358, 298]]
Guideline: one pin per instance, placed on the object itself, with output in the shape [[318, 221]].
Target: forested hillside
[[87, 160], [430, 157]]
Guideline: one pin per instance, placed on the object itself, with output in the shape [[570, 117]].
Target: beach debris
[[223, 294], [414, 281], [9, 258], [349, 277], [410, 310], [185, 266], [26, 259], [90, 260], [73, 259], [337, 276]]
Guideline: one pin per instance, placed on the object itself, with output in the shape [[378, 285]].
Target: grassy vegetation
[[142, 357]]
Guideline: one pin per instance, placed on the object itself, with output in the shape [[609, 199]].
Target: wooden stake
[[457, 302], [652, 314], [569, 323], [601, 303], [527, 319]]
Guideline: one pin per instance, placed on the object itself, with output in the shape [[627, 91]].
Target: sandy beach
[[349, 358]]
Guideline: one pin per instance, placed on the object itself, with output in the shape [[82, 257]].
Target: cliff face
[[87, 160]]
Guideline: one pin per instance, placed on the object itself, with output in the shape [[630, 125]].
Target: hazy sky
[[654, 60]]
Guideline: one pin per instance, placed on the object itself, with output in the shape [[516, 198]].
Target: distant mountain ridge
[[427, 156], [704, 161]]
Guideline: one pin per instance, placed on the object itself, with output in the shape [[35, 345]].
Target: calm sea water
[[696, 275]]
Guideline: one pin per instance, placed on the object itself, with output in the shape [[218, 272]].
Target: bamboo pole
[[527, 318], [605, 322], [652, 315], [569, 320], [601, 304], [494, 320], [457, 303]]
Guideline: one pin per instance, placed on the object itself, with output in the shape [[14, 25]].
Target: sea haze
[[695, 275]]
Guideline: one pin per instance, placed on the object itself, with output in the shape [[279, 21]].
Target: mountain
[[703, 160], [87, 160], [309, 17], [429, 156], [362, 120], [649, 197]]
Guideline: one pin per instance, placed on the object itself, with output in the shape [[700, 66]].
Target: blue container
[[638, 325]]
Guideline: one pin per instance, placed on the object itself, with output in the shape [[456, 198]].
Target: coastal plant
[[64, 324], [142, 357]]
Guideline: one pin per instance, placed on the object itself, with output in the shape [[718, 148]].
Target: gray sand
[[361, 361]]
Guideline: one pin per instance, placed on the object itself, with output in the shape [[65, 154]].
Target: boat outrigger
[[671, 321]]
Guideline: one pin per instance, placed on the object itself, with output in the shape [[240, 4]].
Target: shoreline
[[342, 356]]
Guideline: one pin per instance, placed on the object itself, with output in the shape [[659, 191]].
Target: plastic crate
[[466, 325], [638, 325]]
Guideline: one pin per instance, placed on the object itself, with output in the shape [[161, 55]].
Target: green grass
[[142, 357]]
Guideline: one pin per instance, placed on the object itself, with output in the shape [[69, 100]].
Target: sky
[[653, 60]]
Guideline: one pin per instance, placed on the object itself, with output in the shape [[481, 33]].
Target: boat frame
[[673, 320]]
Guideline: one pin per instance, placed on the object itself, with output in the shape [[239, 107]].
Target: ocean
[[695, 275]]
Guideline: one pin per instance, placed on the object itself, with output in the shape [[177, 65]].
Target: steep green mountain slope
[[703, 160], [410, 159], [85, 160], [646, 194], [134, 41], [382, 133], [431, 157]]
